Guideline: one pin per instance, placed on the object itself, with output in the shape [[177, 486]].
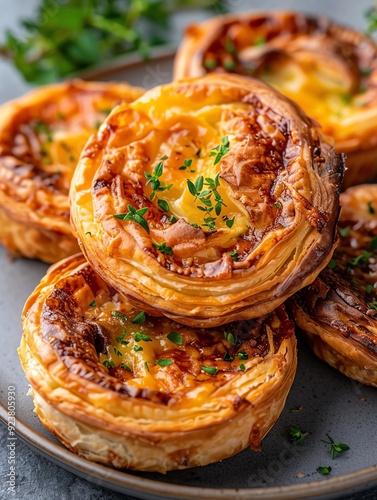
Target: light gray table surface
[[37, 478]]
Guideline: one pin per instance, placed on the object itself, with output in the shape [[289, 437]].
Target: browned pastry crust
[[338, 312], [41, 137], [330, 70], [278, 181], [148, 393]]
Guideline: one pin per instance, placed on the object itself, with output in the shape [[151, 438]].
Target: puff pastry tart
[[330, 70], [207, 200], [122, 388], [41, 137], [338, 312]]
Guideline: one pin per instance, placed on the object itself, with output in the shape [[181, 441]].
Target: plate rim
[[124, 482]]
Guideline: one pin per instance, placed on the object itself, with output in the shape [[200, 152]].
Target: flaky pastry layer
[[41, 137], [328, 69], [123, 388], [338, 312], [207, 200]]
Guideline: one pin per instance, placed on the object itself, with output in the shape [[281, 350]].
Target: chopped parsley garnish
[[163, 248], [138, 348], [362, 259], [117, 351], [142, 337], [373, 243], [242, 367], [344, 231], [332, 264], [211, 370], [119, 315], [135, 215], [210, 63], [220, 151], [373, 305], [121, 339], [108, 364], [335, 447], [324, 470], [228, 357], [139, 318], [259, 41], [93, 304], [369, 288], [370, 207], [242, 355], [164, 362], [234, 255], [296, 435], [229, 64], [230, 337], [125, 367], [230, 46], [175, 337]]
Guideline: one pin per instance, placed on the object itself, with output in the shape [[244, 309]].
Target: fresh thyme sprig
[[157, 185], [335, 447], [297, 436], [220, 151], [135, 215]]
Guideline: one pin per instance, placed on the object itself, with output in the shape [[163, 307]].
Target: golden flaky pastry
[[41, 137], [330, 70], [128, 390], [338, 312], [208, 200]]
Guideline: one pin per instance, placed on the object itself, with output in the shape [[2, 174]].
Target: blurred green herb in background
[[67, 36], [371, 18]]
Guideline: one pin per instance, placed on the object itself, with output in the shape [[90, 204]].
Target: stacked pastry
[[200, 208], [328, 69]]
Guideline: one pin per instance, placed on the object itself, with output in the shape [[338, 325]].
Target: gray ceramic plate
[[330, 402]]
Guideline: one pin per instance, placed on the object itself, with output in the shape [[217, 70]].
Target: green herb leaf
[[234, 255], [138, 348], [242, 367], [164, 205], [373, 243], [135, 215], [163, 248], [362, 259], [211, 370], [296, 435], [335, 447], [175, 337], [142, 337], [139, 318], [121, 339], [368, 289], [164, 362], [146, 366], [344, 231], [119, 315], [370, 207], [220, 151], [125, 367], [108, 364], [332, 264], [242, 355], [324, 470], [93, 304], [373, 305], [228, 357], [230, 222], [117, 352]]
